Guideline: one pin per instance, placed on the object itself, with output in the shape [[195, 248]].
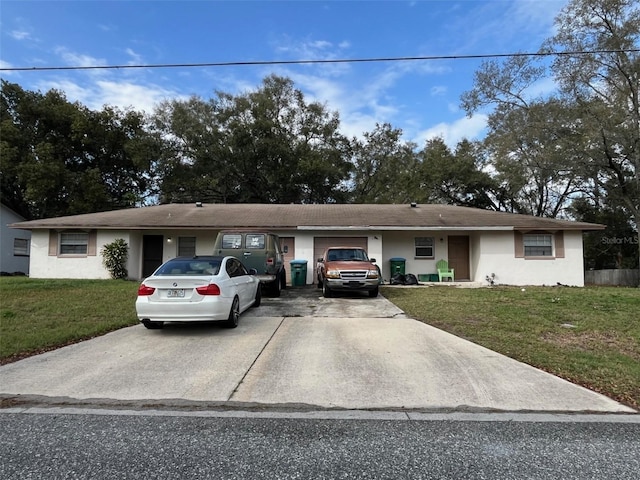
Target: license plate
[[176, 293]]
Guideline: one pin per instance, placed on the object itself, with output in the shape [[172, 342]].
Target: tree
[[384, 167], [589, 136], [265, 146], [60, 158], [456, 178], [605, 85]]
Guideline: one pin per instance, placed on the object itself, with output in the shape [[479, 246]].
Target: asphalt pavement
[[297, 352]]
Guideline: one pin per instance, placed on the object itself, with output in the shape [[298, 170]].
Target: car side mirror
[[320, 260], [253, 271], [372, 260]]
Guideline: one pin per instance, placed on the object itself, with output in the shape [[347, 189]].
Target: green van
[[256, 249]]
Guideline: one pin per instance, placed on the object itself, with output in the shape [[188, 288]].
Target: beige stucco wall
[[496, 255], [489, 252], [43, 265]]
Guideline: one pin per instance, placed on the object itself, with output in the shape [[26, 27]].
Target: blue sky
[[420, 97]]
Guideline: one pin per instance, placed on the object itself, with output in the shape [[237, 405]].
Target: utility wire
[[303, 62]]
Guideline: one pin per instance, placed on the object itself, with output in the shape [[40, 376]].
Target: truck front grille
[[353, 275]]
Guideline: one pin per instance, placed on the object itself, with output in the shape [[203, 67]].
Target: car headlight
[[372, 274], [332, 274]]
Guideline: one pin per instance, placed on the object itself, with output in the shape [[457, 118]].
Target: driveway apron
[[298, 350]]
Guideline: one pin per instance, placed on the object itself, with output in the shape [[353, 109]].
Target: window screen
[[21, 247], [186, 246], [424, 247], [74, 243], [538, 245]]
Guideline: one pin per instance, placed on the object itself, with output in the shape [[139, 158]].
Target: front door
[[459, 256], [151, 253], [287, 244]]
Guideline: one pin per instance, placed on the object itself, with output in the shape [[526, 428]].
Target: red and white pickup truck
[[347, 268]]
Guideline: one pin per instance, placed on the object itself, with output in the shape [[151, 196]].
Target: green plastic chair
[[443, 270]]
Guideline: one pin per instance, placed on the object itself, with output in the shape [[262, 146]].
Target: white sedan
[[197, 289]]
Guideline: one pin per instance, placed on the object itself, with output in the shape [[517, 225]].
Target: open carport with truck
[[347, 269]]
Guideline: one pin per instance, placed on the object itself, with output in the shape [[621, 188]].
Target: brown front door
[[459, 256]]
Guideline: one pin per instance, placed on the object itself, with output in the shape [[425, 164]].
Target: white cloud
[[452, 133], [438, 90], [20, 35], [136, 59], [78, 60], [118, 94]]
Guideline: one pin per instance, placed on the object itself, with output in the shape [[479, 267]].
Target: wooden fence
[[620, 277]]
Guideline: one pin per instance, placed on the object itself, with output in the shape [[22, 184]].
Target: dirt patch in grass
[[594, 341]]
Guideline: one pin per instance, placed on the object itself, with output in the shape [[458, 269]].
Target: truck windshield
[[355, 254]]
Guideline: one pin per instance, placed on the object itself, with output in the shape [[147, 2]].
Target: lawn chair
[[443, 270]]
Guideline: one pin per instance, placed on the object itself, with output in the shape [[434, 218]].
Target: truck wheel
[[326, 292], [275, 287], [373, 293]]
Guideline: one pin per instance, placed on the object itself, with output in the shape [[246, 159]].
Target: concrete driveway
[[297, 351]]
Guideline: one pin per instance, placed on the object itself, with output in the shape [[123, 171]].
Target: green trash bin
[[397, 265], [298, 273]]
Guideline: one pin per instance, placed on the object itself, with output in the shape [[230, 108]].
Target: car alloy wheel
[[234, 313]]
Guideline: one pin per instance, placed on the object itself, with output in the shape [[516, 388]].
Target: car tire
[[283, 280], [373, 293], [153, 325], [275, 287], [326, 291], [319, 282], [258, 298], [234, 313]]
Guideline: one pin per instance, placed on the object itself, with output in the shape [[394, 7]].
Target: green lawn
[[590, 336], [41, 314]]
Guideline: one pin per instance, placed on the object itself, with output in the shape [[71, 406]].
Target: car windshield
[[348, 254], [190, 266]]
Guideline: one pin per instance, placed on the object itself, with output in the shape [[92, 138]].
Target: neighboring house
[[516, 249], [14, 244]]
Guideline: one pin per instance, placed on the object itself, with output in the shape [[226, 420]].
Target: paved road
[[133, 445], [300, 351]]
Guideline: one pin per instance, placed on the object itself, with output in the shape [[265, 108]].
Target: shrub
[[114, 258]]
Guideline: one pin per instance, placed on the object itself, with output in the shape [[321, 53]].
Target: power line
[[307, 62]]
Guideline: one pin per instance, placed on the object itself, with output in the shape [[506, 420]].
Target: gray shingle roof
[[295, 216]]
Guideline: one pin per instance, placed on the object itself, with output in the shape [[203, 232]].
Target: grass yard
[[41, 314], [590, 336]]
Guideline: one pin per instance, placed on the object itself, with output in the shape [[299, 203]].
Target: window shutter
[[559, 244], [53, 243], [519, 244], [91, 245]]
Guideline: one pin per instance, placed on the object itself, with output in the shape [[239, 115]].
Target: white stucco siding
[[44, 265], [403, 245], [497, 255]]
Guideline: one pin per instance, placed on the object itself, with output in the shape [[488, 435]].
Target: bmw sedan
[[197, 289]]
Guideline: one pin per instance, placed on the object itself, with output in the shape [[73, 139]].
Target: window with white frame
[[538, 245], [74, 243], [186, 246], [424, 247], [20, 247]]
